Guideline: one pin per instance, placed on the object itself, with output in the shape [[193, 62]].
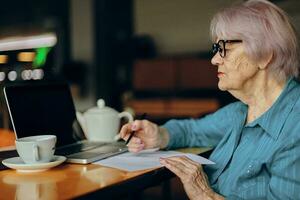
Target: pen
[[132, 132]]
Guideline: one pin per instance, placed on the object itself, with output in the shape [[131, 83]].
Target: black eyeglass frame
[[216, 47]]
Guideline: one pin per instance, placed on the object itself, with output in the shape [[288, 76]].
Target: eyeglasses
[[220, 46]]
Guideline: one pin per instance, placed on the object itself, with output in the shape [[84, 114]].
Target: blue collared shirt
[[258, 160]]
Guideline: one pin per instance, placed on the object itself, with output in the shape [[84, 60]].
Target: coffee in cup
[[36, 149]]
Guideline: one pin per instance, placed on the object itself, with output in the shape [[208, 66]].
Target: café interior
[[139, 56]]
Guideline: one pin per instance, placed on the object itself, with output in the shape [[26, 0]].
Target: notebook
[[47, 108]]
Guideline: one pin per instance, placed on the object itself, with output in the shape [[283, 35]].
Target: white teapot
[[101, 123]]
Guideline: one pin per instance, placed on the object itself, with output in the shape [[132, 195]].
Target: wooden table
[[80, 181]]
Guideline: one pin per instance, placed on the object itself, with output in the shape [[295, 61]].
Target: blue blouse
[[258, 160]]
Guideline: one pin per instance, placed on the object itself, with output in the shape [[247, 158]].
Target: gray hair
[[264, 29]]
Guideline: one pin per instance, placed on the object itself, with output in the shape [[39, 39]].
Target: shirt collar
[[273, 119]]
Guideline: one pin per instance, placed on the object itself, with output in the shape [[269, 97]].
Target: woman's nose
[[216, 59]]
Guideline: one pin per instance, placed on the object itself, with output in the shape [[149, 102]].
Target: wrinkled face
[[235, 70]]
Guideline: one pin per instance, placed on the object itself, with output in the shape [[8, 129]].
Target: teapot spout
[[81, 121]]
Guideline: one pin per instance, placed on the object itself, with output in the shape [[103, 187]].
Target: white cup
[[36, 149]]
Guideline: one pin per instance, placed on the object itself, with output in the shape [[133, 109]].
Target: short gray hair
[[264, 29]]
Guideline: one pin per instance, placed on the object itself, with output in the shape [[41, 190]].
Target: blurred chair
[[173, 87]]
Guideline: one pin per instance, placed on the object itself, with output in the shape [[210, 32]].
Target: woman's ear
[[263, 64]]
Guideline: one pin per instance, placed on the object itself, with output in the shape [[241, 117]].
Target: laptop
[[48, 108]]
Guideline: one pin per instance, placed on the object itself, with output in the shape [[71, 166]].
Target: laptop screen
[[42, 109]]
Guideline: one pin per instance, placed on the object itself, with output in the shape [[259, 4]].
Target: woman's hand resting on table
[[192, 176], [147, 135]]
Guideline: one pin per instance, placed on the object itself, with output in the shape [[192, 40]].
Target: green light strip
[[40, 57]]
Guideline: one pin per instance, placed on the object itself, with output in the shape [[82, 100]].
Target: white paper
[[141, 161]]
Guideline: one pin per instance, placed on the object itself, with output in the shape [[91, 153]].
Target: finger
[[137, 125], [133, 139], [130, 128], [176, 164], [125, 130], [190, 166], [136, 149], [173, 167], [150, 131], [188, 160], [148, 126], [141, 128], [193, 167], [191, 162], [179, 159], [135, 142]]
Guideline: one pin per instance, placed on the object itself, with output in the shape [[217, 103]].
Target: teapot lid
[[102, 109]]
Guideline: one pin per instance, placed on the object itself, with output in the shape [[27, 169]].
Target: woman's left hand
[[191, 175]]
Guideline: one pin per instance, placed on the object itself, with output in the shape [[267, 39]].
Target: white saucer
[[18, 164]]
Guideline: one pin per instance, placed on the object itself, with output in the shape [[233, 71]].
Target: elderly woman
[[256, 140]]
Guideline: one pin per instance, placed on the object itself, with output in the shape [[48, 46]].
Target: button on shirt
[[258, 160]]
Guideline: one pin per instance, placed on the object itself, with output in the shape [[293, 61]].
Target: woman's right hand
[[147, 135]]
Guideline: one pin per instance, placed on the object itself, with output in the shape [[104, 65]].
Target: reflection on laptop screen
[[42, 109]]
